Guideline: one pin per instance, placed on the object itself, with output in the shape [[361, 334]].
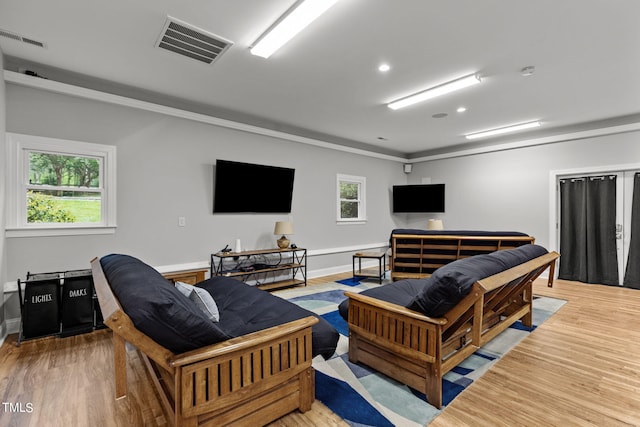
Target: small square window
[[351, 198]]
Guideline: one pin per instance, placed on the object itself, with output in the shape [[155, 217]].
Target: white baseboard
[[12, 325], [312, 274], [9, 326], [183, 267], [3, 332], [342, 249], [11, 287]]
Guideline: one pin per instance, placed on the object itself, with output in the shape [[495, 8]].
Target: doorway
[[593, 231]]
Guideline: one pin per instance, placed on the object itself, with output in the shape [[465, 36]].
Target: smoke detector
[[528, 71]]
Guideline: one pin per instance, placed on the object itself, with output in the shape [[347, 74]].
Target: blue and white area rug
[[363, 397]]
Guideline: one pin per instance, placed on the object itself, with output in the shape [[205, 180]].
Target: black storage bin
[[77, 303], [40, 307], [98, 319]]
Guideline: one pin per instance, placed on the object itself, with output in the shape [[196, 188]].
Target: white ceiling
[[325, 82]]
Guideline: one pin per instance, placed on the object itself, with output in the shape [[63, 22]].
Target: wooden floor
[[581, 367]]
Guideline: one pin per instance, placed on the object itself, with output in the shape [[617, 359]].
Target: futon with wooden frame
[[417, 330], [418, 253], [251, 379]]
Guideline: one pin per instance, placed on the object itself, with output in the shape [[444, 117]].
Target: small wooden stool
[[379, 274]]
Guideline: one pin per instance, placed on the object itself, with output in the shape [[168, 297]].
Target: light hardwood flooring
[[581, 367]]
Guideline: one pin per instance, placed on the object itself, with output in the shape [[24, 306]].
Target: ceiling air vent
[[18, 37], [190, 41]]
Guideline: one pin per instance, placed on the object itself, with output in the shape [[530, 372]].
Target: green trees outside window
[[63, 189], [349, 199]]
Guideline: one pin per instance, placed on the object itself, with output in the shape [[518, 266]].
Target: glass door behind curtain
[[632, 271], [588, 244]]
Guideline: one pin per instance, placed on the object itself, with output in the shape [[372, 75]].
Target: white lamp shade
[[435, 224], [283, 227]]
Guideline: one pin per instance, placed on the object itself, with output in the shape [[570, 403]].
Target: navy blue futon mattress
[[439, 293], [245, 309]]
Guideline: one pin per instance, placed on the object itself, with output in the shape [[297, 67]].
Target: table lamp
[[435, 224], [283, 228]]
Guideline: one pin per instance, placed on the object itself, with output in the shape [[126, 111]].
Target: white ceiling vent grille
[[18, 37], [184, 39]]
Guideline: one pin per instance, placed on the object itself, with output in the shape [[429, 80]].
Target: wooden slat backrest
[[499, 289], [536, 266], [419, 255]]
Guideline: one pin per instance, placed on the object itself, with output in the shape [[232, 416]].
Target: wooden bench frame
[[248, 380], [418, 350], [422, 254]]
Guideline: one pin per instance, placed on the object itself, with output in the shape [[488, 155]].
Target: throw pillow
[[205, 302], [184, 288]]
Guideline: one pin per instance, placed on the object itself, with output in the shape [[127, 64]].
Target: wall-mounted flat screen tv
[[250, 188], [418, 198]]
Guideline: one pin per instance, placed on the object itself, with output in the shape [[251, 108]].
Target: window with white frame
[[351, 199], [59, 187]]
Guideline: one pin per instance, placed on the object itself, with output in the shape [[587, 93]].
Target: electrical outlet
[[182, 221]]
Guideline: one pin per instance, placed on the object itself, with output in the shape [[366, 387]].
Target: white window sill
[[58, 231], [351, 221]]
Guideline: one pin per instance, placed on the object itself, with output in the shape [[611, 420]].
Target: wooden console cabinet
[[265, 266], [190, 277]]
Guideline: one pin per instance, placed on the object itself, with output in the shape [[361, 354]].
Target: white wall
[[509, 190], [3, 258], [165, 170]]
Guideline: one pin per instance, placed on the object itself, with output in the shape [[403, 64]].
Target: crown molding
[[563, 137], [81, 92]]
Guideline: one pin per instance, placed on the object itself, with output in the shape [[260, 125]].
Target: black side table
[[379, 274]]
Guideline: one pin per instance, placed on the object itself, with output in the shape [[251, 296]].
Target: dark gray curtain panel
[[588, 230], [632, 273]]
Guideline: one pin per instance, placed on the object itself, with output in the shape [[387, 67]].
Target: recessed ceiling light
[[435, 91], [461, 109], [505, 129], [383, 68]]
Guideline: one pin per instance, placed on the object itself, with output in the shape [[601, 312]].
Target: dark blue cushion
[[449, 284], [156, 307], [477, 233], [245, 309], [401, 293]]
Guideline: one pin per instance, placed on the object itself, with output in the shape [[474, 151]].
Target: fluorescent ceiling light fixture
[[435, 91], [291, 23], [506, 129]]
